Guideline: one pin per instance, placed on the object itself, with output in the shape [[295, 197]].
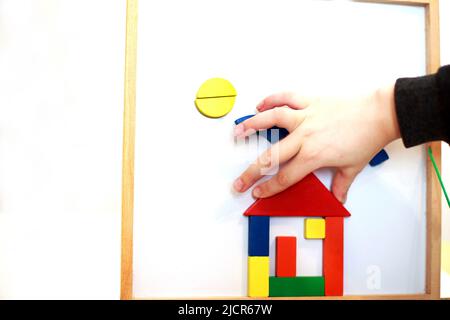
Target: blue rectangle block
[[258, 236], [379, 158]]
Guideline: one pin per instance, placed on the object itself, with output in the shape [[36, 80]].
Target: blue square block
[[379, 158], [258, 236]]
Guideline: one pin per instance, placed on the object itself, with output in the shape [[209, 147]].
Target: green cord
[[438, 175]]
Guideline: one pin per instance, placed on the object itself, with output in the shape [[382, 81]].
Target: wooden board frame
[[433, 228]]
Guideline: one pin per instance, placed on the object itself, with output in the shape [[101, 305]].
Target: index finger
[[290, 99], [282, 117]]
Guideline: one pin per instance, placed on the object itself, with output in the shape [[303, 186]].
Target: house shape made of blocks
[[324, 220]]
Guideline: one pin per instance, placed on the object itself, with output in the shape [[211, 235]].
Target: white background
[[61, 103]]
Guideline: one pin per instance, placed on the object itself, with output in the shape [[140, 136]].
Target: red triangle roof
[[307, 198]]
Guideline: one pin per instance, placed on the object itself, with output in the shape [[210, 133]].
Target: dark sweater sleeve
[[423, 108]]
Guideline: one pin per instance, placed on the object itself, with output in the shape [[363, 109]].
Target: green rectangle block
[[296, 286]]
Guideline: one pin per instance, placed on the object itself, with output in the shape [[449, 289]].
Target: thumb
[[341, 183]]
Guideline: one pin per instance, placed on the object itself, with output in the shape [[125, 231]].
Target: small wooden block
[[296, 287], [258, 277], [333, 256], [258, 236], [315, 228], [286, 257]]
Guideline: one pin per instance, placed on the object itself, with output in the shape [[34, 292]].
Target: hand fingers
[[341, 183], [267, 162], [280, 117], [289, 99], [292, 172]]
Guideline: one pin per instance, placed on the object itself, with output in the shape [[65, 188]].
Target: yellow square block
[[258, 277], [314, 228]]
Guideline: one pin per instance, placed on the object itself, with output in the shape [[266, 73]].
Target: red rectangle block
[[286, 257], [333, 256]]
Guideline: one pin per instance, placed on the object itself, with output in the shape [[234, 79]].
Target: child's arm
[[344, 133]]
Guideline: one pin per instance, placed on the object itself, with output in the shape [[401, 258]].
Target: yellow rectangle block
[[314, 228], [258, 277]]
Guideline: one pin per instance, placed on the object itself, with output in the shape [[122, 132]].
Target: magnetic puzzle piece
[[286, 257], [215, 107], [272, 135], [296, 287], [258, 236], [333, 256], [315, 228], [215, 98], [242, 119], [258, 277], [276, 134], [379, 158], [216, 87], [307, 198]]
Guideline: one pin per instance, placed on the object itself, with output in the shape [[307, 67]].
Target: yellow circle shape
[[215, 98]]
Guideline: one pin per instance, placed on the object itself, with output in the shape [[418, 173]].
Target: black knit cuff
[[420, 110]]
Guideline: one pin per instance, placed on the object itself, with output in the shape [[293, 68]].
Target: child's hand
[[323, 132]]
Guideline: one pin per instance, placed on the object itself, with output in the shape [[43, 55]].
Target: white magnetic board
[[190, 238]]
